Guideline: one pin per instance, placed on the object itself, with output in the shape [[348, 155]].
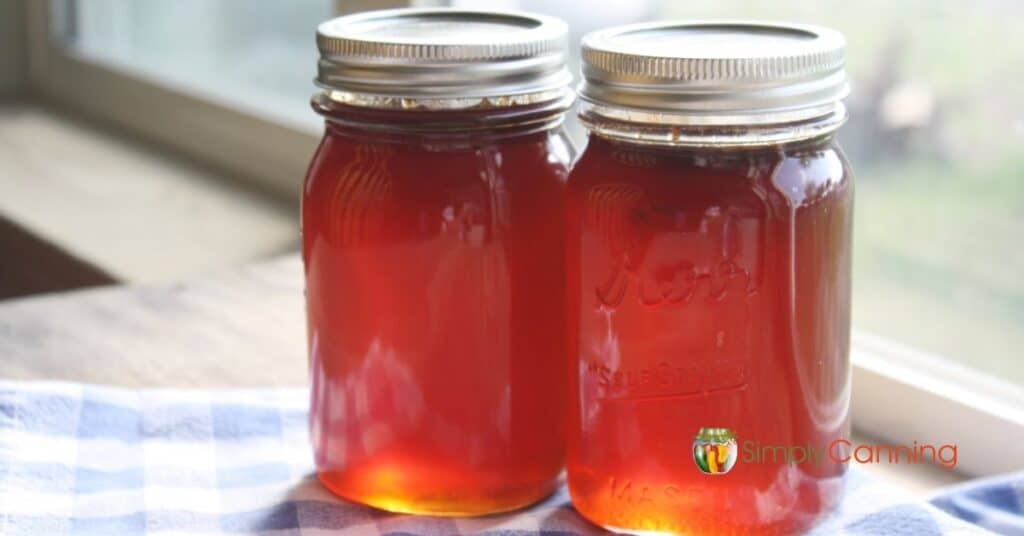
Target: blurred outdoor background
[[936, 130]]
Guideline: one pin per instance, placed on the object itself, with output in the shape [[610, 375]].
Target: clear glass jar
[[433, 245], [708, 257]]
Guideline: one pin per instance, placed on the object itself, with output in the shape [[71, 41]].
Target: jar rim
[[644, 129], [468, 120], [563, 95]]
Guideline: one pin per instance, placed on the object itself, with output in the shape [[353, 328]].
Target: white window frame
[[900, 395], [245, 143]]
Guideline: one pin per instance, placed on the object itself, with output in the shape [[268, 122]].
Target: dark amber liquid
[[707, 289], [434, 277]]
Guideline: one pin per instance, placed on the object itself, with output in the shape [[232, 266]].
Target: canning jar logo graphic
[[715, 450]]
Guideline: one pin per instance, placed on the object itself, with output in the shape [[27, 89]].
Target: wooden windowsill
[[126, 208]]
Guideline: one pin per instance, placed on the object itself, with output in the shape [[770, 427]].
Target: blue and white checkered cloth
[[996, 503], [78, 459]]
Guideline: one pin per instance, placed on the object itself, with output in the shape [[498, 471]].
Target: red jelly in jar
[[709, 226], [433, 241]]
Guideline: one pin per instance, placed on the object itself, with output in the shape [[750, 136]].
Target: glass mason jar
[[708, 258], [432, 227]]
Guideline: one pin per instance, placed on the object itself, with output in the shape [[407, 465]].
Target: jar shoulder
[[418, 157], [795, 173]]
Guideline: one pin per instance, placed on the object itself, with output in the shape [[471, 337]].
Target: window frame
[[899, 394], [247, 144], [902, 394], [251, 145]]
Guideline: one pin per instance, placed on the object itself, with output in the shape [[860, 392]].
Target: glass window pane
[[936, 131], [935, 134], [257, 53]]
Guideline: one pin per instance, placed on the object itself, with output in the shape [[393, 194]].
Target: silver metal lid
[[443, 58], [714, 73]]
